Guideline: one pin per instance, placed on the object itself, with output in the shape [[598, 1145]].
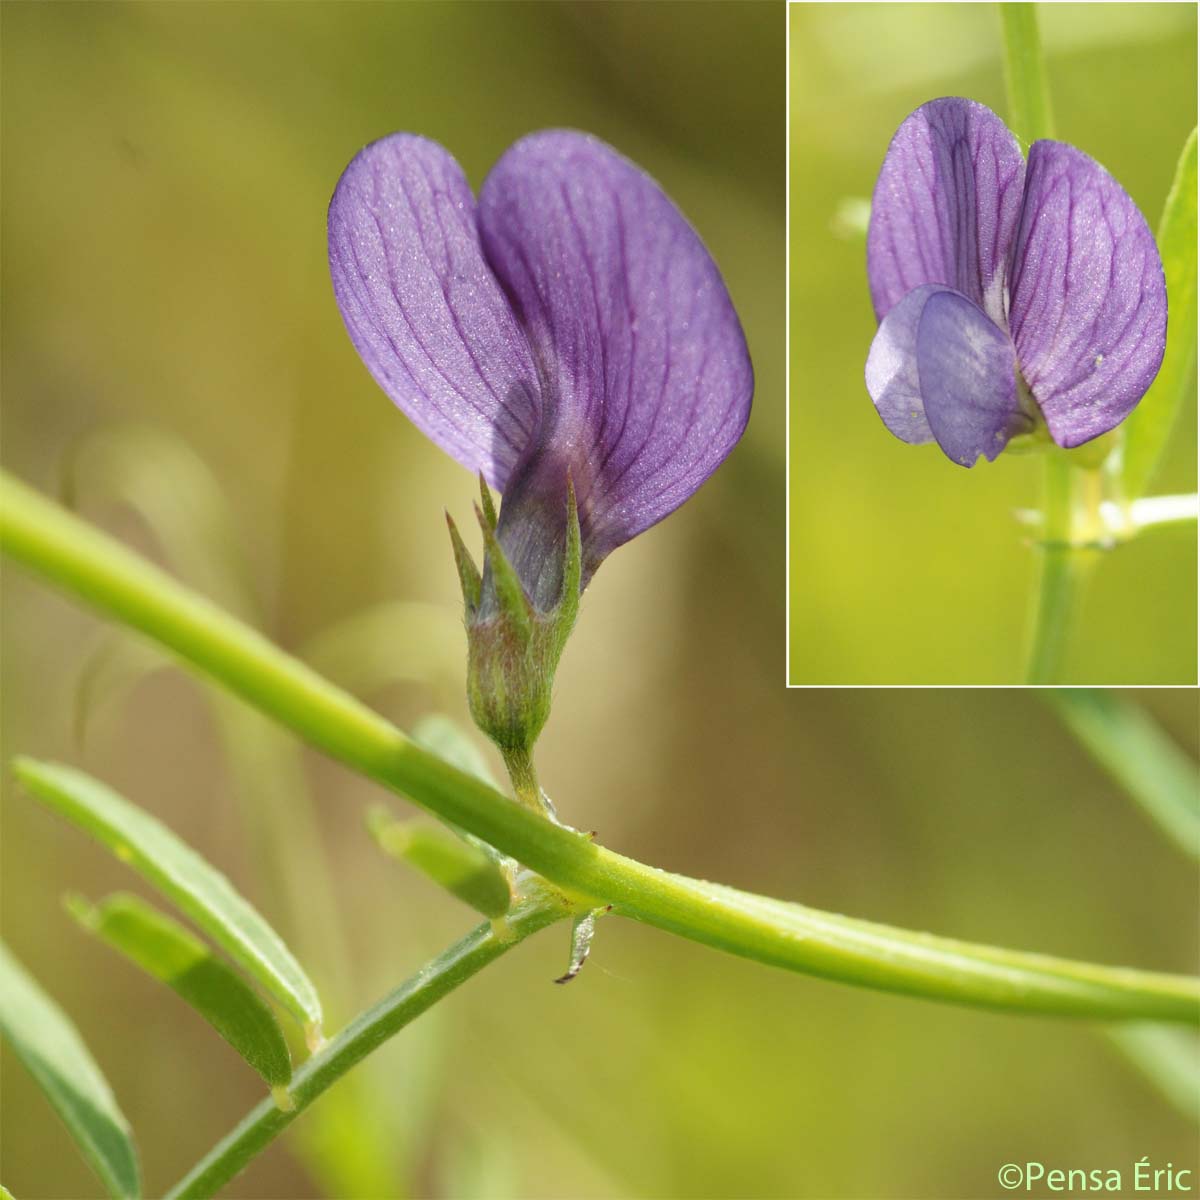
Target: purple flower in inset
[[1007, 293], [569, 325]]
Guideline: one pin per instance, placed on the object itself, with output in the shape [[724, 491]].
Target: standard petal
[[423, 308], [1089, 303], [968, 375], [945, 206], [644, 367], [891, 373]]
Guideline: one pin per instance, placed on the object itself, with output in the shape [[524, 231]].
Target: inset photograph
[[992, 405]]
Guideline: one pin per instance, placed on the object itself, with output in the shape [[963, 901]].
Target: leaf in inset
[[1149, 425], [1139, 756], [165, 949], [49, 1045]]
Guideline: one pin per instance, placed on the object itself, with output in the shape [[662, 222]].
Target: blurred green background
[[904, 567], [168, 328]]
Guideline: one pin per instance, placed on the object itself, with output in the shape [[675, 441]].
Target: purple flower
[[1007, 293], [569, 326]]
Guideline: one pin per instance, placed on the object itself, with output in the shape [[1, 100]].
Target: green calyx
[[514, 647]]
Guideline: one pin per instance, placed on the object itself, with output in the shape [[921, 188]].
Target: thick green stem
[[266, 1121], [1025, 74], [1072, 533], [99, 570]]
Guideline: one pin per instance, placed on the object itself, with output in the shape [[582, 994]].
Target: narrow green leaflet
[[460, 867], [50, 1047], [95, 568], [1139, 756], [200, 891], [1149, 425], [165, 949]]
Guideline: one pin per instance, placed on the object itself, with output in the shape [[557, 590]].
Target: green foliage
[[166, 950], [1168, 1057], [1139, 756], [197, 889], [396, 641], [787, 935], [435, 980], [49, 1045], [1025, 74], [187, 508], [1148, 427], [461, 868]]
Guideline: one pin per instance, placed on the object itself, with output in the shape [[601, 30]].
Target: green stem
[[1071, 531], [99, 570], [1025, 74], [366, 1033], [524, 779]]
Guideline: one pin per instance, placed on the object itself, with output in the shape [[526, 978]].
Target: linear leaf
[[1168, 1057], [1149, 425], [462, 868], [1139, 756], [49, 1045], [169, 952], [200, 891]]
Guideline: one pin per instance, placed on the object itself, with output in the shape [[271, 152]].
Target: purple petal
[[1089, 303], [423, 308], [643, 362], [940, 370], [967, 368], [945, 206], [892, 377]]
